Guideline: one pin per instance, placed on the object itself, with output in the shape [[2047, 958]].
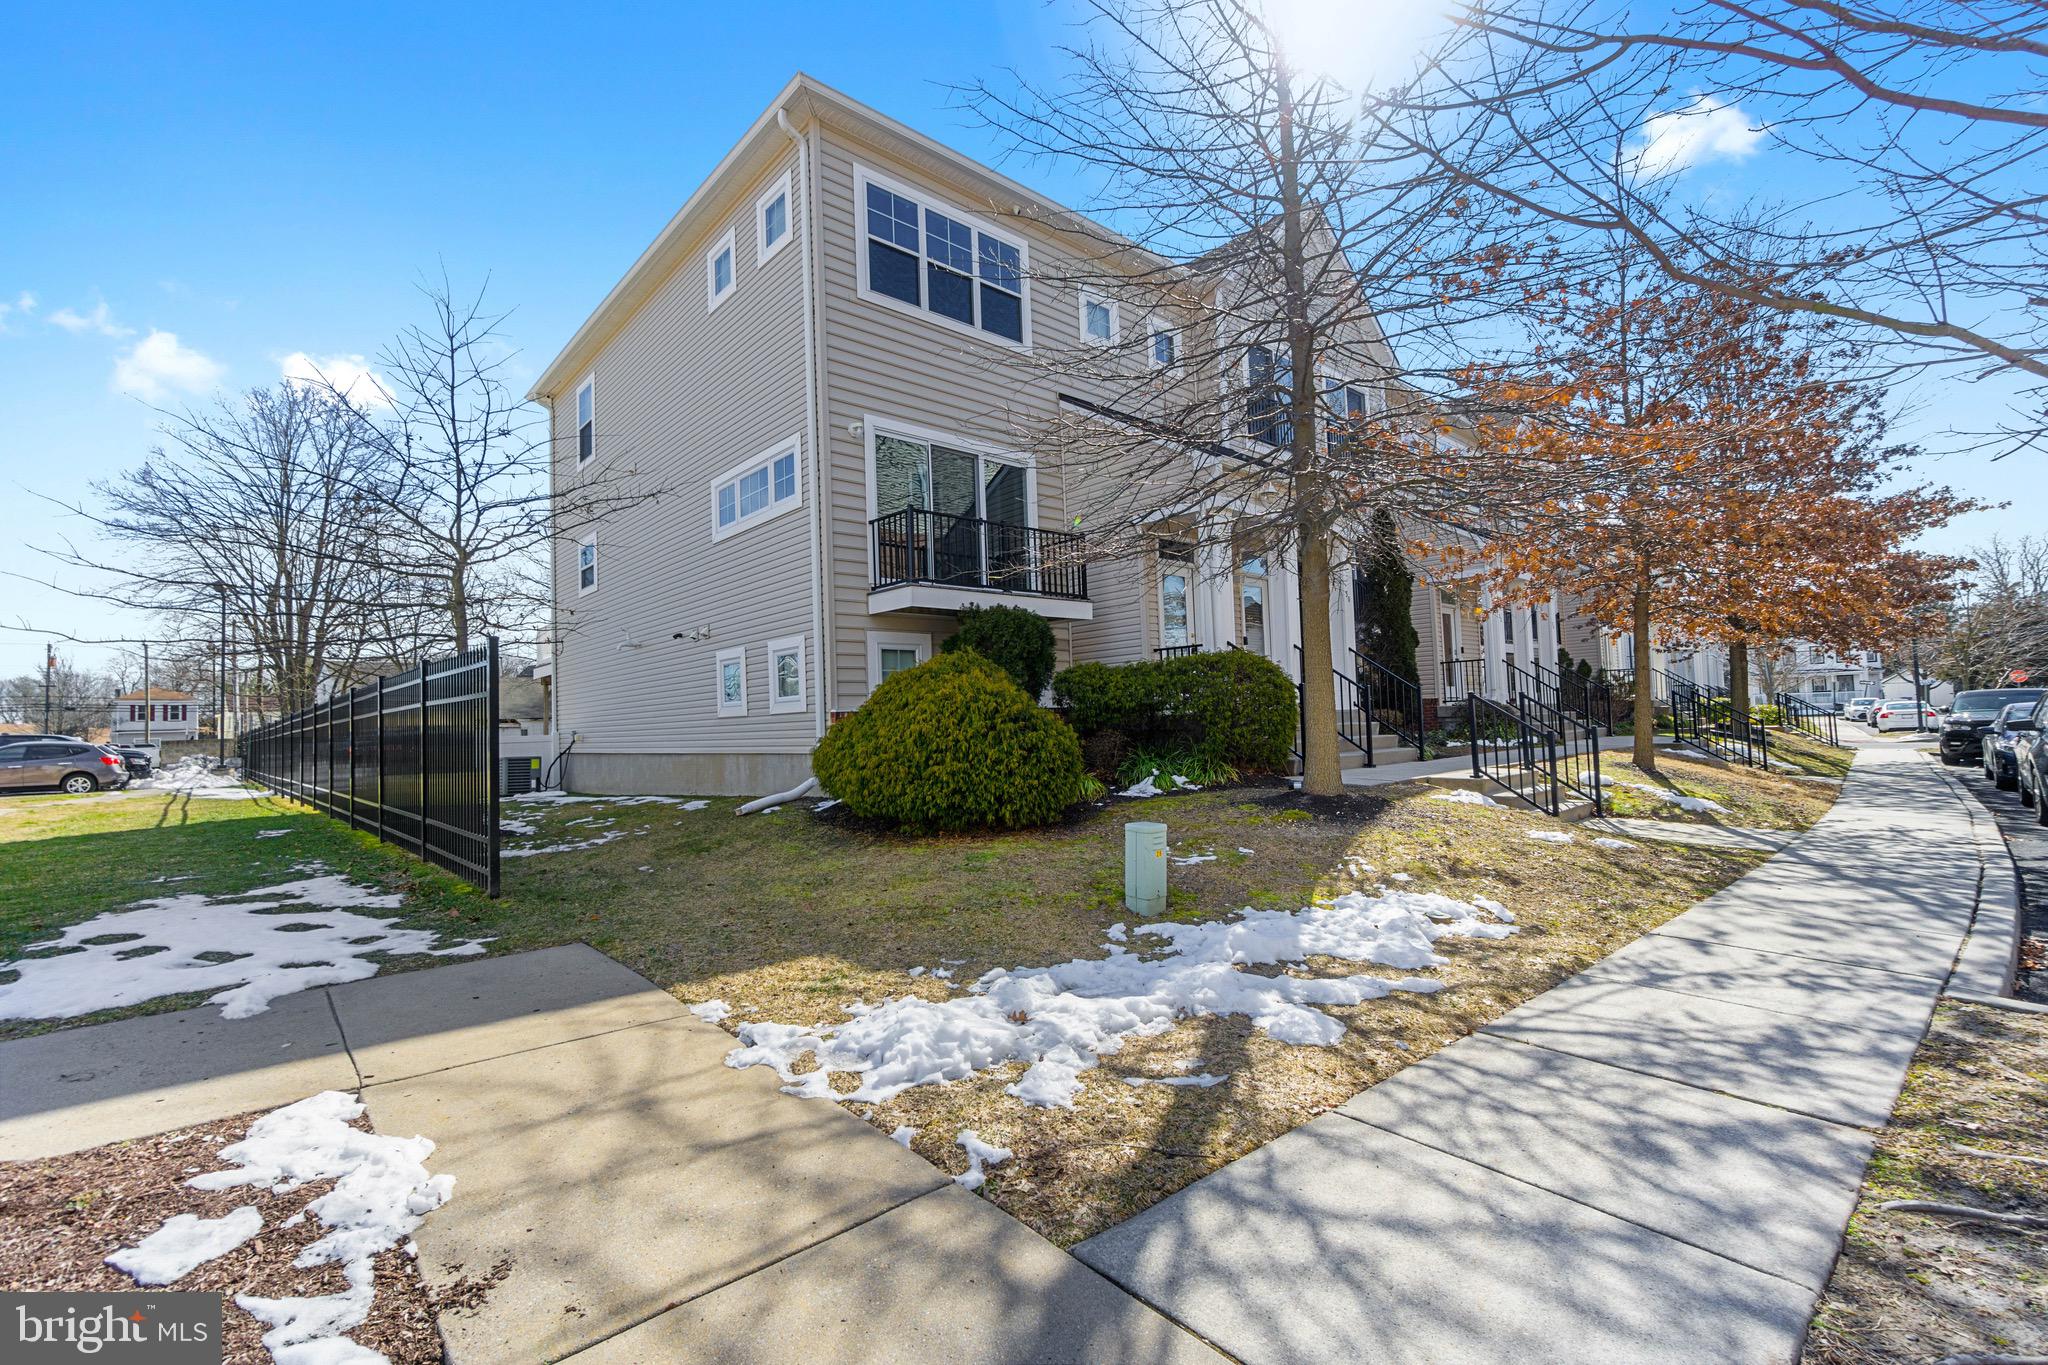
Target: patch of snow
[[519, 827], [825, 805], [271, 833], [184, 1243], [711, 1011], [1464, 798], [1246, 852], [1193, 858], [1061, 1020], [279, 954], [195, 777], [1549, 836], [1400, 876], [917, 971], [1204, 1080], [1144, 786], [1494, 908], [695, 805], [903, 1134], [381, 1194], [1696, 805], [943, 973], [1115, 932], [979, 1155], [1604, 842], [532, 851]]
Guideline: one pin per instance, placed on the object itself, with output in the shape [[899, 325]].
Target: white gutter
[[821, 670]]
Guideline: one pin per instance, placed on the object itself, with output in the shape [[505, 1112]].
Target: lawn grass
[[1751, 797], [791, 917]]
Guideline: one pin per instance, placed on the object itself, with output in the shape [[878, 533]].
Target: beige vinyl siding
[[683, 395], [880, 362]]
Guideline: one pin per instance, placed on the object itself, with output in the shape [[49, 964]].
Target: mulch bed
[[61, 1217]]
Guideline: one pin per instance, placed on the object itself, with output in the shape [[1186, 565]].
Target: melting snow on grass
[[1612, 843], [184, 1243], [194, 777], [711, 1011], [274, 939], [979, 1155], [1549, 836], [1158, 783], [1062, 1020], [569, 847], [381, 1194], [1695, 805], [1464, 798]]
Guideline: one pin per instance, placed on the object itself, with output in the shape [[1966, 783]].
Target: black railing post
[[1472, 730]]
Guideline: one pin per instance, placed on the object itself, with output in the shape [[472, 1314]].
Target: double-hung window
[[1269, 384], [786, 674], [1347, 406], [771, 213], [586, 422], [1098, 320], [1162, 348], [928, 257], [763, 487], [731, 677], [586, 565], [718, 272]]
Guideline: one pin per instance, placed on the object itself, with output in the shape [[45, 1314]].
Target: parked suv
[[69, 765], [1859, 708], [2001, 744], [1972, 713]]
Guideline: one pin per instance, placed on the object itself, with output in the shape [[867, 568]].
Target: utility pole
[[148, 700], [220, 694], [49, 671], [1919, 696]]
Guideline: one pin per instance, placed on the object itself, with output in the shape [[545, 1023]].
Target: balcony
[[937, 561]]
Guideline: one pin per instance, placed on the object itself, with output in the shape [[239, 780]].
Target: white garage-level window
[[719, 265], [732, 681], [586, 422], [786, 674], [771, 216], [890, 654], [747, 494], [586, 565]]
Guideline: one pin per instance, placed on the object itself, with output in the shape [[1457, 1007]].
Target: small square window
[[772, 210], [1097, 321], [896, 659], [718, 272]]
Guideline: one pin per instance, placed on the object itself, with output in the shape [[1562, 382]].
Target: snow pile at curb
[[1063, 1019], [315, 941], [184, 1243], [382, 1192]]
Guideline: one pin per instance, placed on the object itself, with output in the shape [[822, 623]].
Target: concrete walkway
[[635, 1199], [1654, 1161]]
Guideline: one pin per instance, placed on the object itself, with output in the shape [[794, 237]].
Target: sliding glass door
[[951, 516]]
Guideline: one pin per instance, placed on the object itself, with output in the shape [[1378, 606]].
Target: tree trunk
[[1322, 768], [1645, 755], [458, 610], [1738, 678]]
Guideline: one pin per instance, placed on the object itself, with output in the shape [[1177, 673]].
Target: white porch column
[[1552, 634], [1283, 587], [1494, 648], [1212, 615]]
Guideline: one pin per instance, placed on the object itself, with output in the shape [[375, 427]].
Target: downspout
[[821, 665]]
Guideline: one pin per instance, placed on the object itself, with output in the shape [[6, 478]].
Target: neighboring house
[[1899, 687], [821, 363], [1831, 677], [157, 714]]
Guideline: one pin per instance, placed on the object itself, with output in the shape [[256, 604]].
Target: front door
[[1252, 598]]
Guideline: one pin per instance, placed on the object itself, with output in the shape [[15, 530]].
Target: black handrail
[[1708, 723], [1574, 760], [1464, 677], [1796, 713], [1177, 651], [1511, 753], [1353, 705], [917, 545], [1396, 700]]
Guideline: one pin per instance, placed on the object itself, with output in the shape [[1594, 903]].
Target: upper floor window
[[586, 565], [771, 213], [763, 487], [931, 258], [586, 421], [1269, 384], [718, 272], [1098, 320], [1348, 403], [1163, 349]]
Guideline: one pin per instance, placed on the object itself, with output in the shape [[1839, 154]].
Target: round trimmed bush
[[1014, 639], [952, 745]]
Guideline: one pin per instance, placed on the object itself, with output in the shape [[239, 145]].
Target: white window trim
[[862, 178], [1088, 338], [1154, 325], [879, 640], [718, 663], [576, 415], [790, 644], [712, 296], [596, 569], [765, 253], [774, 509]]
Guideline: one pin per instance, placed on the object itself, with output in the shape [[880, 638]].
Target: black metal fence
[[1513, 754], [1820, 722], [413, 758], [1705, 719], [920, 546]]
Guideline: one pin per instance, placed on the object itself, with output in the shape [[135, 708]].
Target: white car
[[1898, 715], [1859, 708]]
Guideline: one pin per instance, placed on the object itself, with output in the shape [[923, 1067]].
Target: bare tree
[[1999, 625], [267, 504], [1916, 125], [464, 488], [1236, 383], [69, 698]]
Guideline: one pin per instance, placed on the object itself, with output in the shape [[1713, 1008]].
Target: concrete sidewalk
[[1654, 1161], [632, 1197]]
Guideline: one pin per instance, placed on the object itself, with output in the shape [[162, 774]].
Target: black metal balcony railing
[[921, 546]]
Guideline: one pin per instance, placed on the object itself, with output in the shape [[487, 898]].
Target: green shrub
[[1013, 639], [1231, 708], [1183, 763], [952, 744]]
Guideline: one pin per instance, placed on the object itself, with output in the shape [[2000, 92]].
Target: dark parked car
[[1962, 731], [69, 765], [2002, 741], [140, 764]]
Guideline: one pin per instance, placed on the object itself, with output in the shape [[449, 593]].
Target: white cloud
[[349, 375], [24, 304], [100, 320], [160, 365], [1704, 130]]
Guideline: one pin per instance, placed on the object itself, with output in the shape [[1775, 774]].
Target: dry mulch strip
[[61, 1217]]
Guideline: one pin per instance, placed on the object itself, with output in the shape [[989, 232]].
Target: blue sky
[[258, 182]]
